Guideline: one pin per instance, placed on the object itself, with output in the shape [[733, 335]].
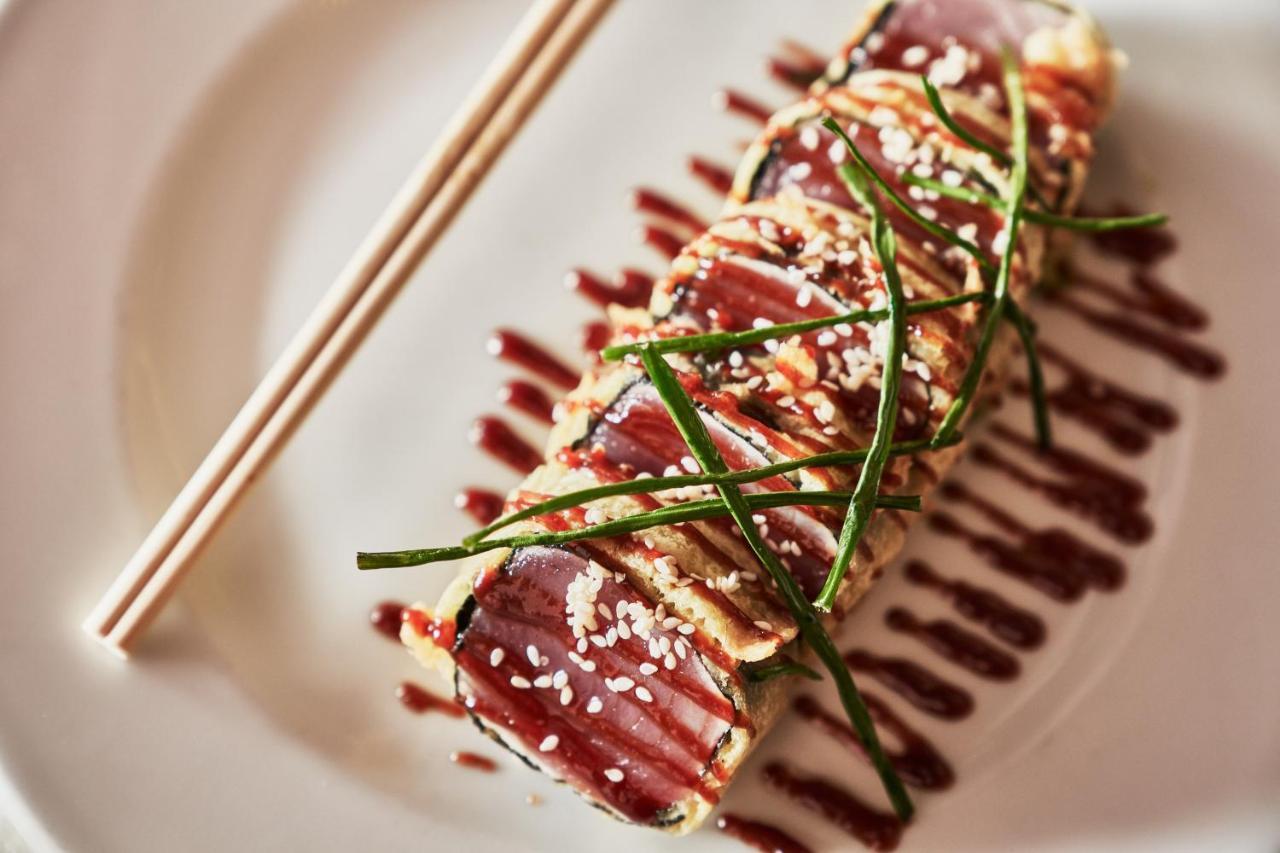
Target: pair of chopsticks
[[513, 85]]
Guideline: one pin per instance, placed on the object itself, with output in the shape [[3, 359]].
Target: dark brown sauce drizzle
[[958, 645], [473, 761], [1056, 549], [917, 761], [920, 687], [421, 701], [1053, 560], [758, 835], [1020, 628], [386, 617], [1098, 493], [875, 829], [1126, 419]]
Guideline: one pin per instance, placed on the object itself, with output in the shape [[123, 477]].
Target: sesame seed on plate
[[613, 774], [549, 743], [496, 656]]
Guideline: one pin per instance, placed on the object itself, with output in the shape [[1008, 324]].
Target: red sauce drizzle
[[963, 648], [421, 701], [1019, 628], [662, 240], [528, 398], [759, 836], [495, 437], [912, 682], [917, 761], [473, 761], [718, 178], [514, 347], [630, 288], [733, 101], [386, 618], [798, 69], [654, 203], [481, 504], [876, 829]]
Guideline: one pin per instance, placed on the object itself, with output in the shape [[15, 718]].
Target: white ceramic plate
[[180, 182]]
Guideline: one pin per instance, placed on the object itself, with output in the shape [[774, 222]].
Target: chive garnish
[[809, 624], [1040, 217], [944, 234], [761, 674], [944, 115], [649, 485], [729, 340], [950, 123], [667, 515], [1013, 207], [858, 181], [1026, 329]]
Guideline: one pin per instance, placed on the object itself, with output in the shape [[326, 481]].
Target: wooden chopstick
[[526, 67]]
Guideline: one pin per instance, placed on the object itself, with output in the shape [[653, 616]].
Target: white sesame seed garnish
[[915, 56], [613, 774], [682, 649], [582, 645], [647, 668], [598, 641], [519, 682], [686, 629], [622, 684], [588, 666], [542, 681], [786, 402], [549, 743], [643, 694], [594, 705], [566, 695], [560, 679], [763, 625], [809, 138], [669, 661], [533, 654], [496, 656]]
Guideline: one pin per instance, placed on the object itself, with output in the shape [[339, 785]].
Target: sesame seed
[[643, 694], [566, 695], [533, 654], [763, 625], [622, 684], [647, 668], [496, 656], [804, 297], [560, 679], [915, 56], [689, 464], [595, 706], [686, 629], [669, 661], [613, 774], [542, 681], [549, 743], [520, 682], [604, 610]]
